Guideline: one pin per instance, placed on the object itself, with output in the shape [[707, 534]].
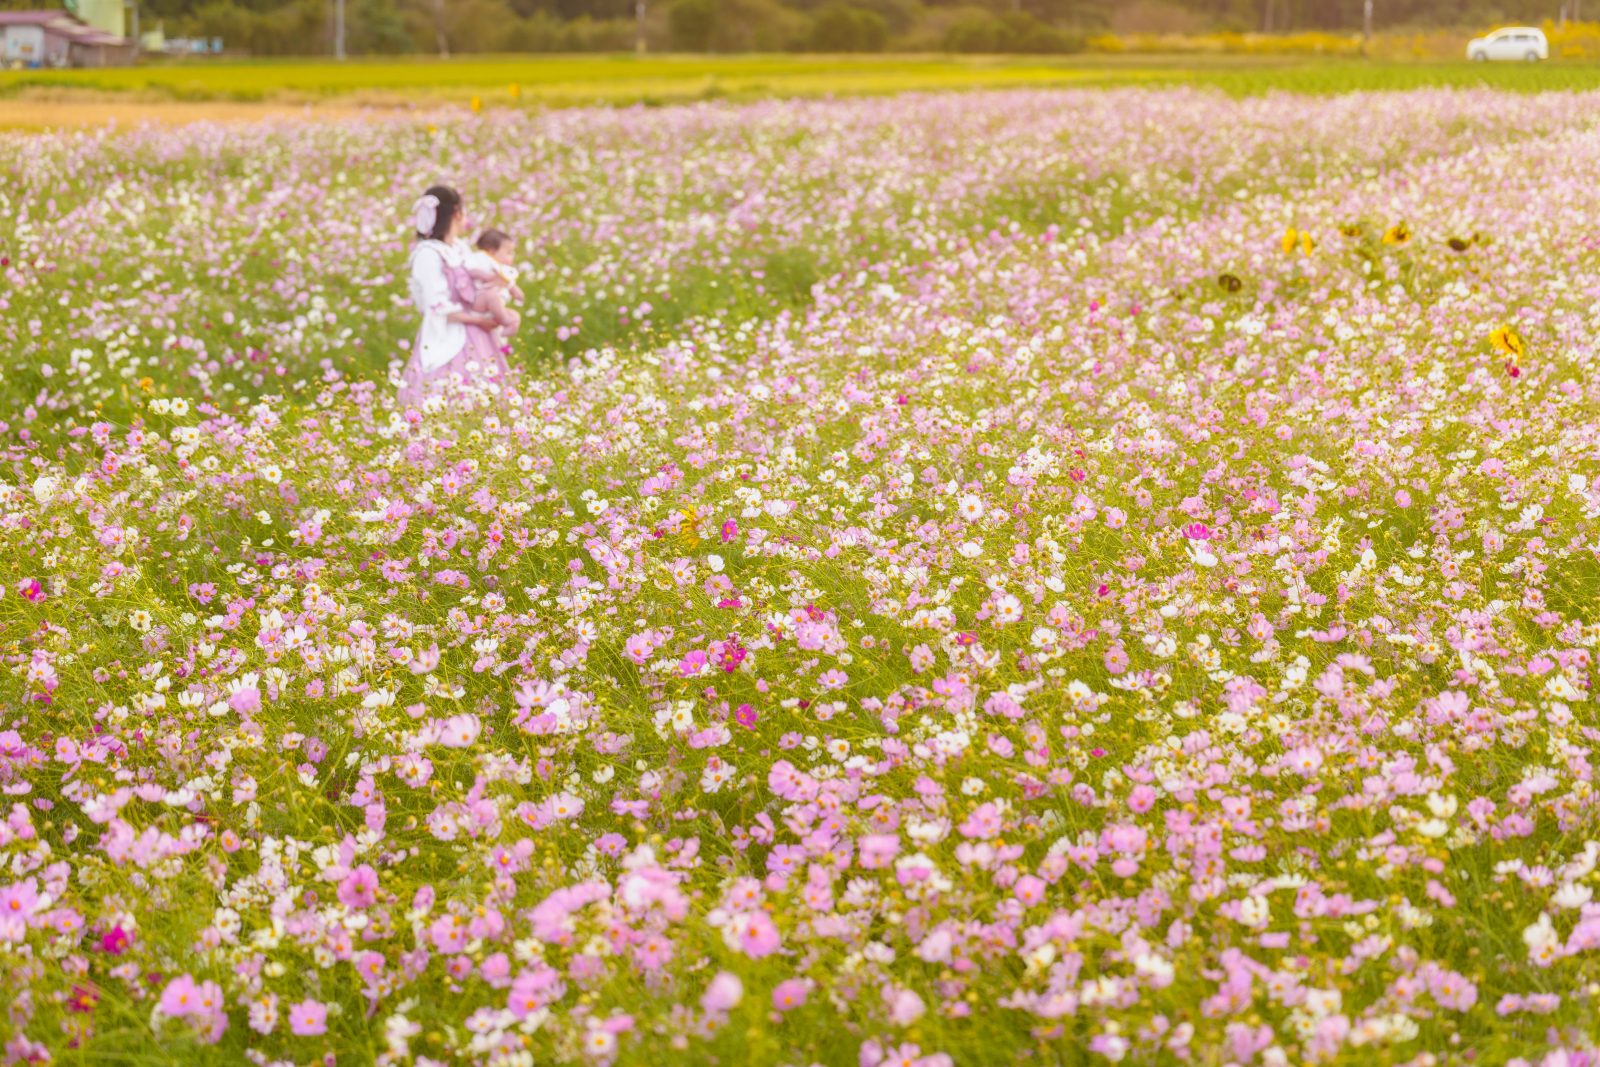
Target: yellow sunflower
[[1398, 234], [1506, 342]]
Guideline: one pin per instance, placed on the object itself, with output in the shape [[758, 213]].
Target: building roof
[[38, 18], [64, 24], [87, 35]]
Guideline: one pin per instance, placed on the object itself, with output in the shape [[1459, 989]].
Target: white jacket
[[439, 340]]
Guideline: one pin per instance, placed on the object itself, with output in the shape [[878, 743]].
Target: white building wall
[[24, 44]]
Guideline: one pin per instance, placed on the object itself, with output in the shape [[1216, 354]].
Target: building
[[36, 38], [55, 38], [107, 16]]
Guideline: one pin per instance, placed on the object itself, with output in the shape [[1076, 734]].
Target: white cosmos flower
[[45, 488], [1572, 896]]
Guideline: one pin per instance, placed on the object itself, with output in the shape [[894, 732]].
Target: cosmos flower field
[[1030, 577]]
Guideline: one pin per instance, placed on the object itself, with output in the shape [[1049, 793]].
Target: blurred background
[[1425, 29]]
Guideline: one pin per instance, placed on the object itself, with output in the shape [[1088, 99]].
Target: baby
[[496, 279]]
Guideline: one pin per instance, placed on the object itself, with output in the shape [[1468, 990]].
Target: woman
[[454, 343]]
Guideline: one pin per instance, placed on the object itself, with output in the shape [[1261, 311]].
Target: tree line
[[386, 27]]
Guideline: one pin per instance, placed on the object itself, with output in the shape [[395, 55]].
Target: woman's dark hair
[[492, 240], [449, 208]]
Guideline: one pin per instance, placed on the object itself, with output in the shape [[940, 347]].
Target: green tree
[[376, 27], [690, 23], [840, 27]]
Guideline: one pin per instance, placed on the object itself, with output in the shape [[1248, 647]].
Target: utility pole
[[640, 45], [338, 29], [133, 21], [1366, 23]]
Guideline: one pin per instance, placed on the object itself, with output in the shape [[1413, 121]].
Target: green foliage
[[791, 272], [283, 30], [692, 22], [756, 26], [1012, 32], [376, 27], [840, 27], [734, 26]]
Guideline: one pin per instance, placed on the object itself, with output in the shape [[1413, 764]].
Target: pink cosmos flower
[[459, 731], [17, 904], [984, 822], [263, 1013], [359, 889], [790, 993], [309, 1018], [180, 998], [904, 1006], [246, 700], [723, 994], [757, 934], [1030, 889], [638, 648], [875, 851], [532, 989], [1305, 760], [1452, 990], [114, 941], [1141, 798]]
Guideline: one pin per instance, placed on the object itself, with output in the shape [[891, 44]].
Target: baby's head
[[498, 245]]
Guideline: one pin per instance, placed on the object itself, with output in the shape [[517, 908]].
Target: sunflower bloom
[[1507, 343], [1290, 239], [1398, 234], [1308, 244]]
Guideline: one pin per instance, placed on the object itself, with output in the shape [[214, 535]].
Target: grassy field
[[557, 80]]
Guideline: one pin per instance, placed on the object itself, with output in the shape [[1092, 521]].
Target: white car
[[1521, 43]]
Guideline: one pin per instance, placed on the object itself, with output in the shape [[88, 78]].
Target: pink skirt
[[479, 363]]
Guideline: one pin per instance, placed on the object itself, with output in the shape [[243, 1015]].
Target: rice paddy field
[[531, 82], [1049, 575]]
